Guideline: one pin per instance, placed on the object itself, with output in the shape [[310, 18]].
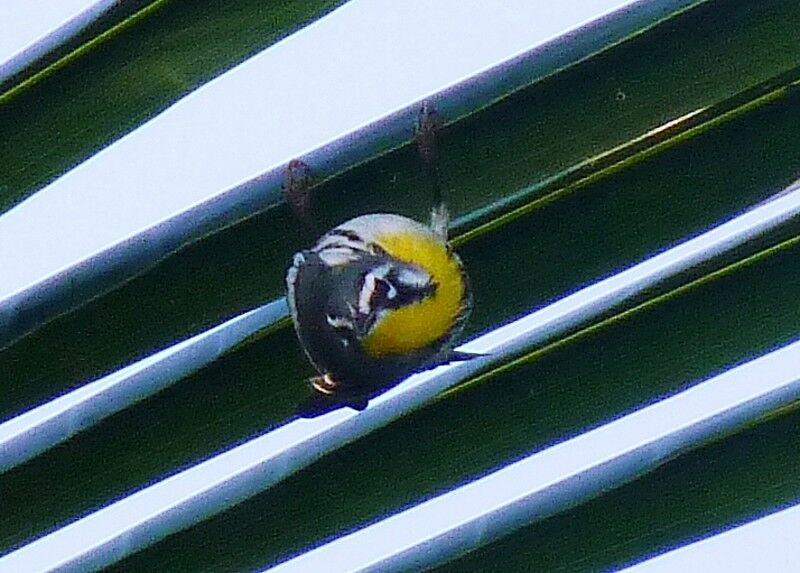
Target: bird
[[377, 297]]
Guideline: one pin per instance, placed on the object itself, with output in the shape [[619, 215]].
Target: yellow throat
[[421, 324]]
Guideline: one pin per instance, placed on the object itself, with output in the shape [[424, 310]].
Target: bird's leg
[[297, 187], [428, 125]]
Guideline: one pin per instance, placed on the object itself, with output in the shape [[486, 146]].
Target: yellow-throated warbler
[[377, 298]]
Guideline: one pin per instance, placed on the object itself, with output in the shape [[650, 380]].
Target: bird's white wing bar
[[608, 456], [341, 90]]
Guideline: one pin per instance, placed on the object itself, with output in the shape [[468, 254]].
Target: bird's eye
[[412, 284], [384, 291], [389, 287]]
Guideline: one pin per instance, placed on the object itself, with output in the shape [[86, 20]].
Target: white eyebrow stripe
[[365, 296], [413, 277]]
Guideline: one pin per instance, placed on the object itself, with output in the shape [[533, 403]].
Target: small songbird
[[375, 299], [378, 297]]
